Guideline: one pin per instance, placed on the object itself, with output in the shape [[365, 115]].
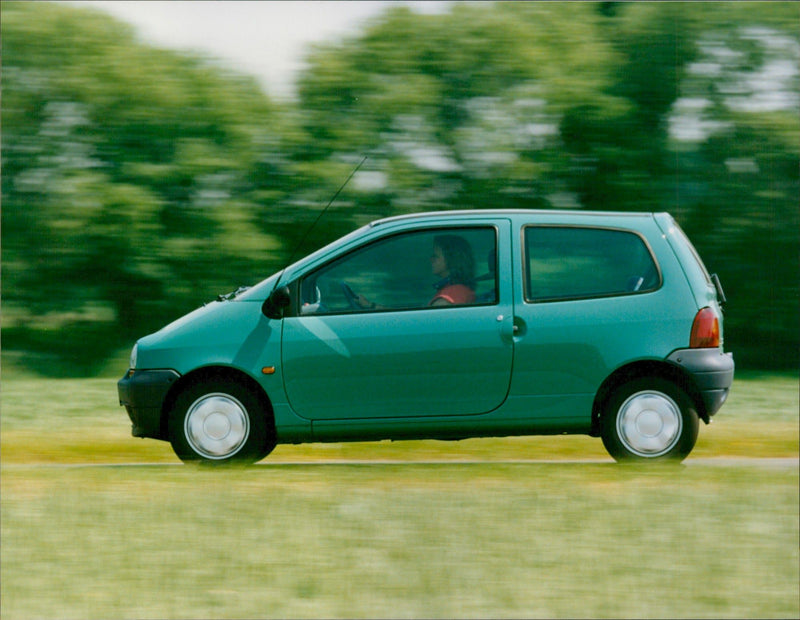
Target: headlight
[[134, 355]]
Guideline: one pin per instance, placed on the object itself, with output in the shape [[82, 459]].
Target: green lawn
[[97, 524]]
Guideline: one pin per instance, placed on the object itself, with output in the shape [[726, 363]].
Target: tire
[[218, 422], [649, 419]]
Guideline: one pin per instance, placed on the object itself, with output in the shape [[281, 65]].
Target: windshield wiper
[[232, 295]]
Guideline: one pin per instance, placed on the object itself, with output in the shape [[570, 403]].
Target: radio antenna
[[316, 221]]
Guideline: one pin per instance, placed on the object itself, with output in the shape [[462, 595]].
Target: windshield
[[263, 289]]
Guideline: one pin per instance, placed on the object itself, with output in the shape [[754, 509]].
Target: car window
[[407, 271], [575, 263]]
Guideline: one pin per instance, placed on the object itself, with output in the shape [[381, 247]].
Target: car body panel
[[396, 364], [569, 347], [408, 363], [701, 286], [230, 333]]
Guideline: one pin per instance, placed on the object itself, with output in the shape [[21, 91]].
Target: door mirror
[[276, 303]]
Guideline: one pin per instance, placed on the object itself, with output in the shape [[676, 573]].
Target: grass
[[97, 524], [447, 540]]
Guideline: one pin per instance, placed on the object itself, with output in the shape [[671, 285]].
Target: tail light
[[705, 330]]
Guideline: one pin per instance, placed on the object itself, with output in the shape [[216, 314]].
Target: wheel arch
[[638, 370], [212, 373]]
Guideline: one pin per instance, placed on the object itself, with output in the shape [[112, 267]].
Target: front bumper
[[142, 393], [712, 372]]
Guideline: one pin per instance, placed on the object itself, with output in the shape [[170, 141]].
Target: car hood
[[218, 332]]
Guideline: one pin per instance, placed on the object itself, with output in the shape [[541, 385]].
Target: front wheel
[[649, 419], [219, 422]]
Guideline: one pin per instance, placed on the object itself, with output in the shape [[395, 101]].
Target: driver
[[452, 262]]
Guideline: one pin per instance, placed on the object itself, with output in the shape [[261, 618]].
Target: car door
[[366, 341], [592, 302]]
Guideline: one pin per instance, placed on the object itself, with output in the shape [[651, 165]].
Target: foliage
[[139, 182], [128, 181]]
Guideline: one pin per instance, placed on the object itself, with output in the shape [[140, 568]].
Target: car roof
[[556, 213]]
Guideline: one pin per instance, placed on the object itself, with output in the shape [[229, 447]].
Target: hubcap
[[217, 426], [649, 424]]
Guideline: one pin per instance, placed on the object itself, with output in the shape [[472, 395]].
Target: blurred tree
[[132, 182], [689, 108], [736, 139], [710, 133], [454, 109], [136, 180], [618, 157]]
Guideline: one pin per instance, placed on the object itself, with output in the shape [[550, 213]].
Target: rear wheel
[[649, 419], [217, 422]]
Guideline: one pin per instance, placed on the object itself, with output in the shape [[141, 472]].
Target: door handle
[[511, 327], [520, 328]]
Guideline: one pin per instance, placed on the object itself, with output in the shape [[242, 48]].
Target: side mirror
[[276, 303]]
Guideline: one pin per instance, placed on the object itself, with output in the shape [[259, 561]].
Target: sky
[[264, 39]]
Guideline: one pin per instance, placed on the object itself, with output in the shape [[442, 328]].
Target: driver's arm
[[365, 303]]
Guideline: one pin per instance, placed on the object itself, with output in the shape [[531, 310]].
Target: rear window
[[577, 263]]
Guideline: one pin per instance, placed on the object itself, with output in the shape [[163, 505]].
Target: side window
[[576, 263], [407, 271]]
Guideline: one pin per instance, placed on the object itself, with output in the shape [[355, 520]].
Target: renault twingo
[[447, 326]]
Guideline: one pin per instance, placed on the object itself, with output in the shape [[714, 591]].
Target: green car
[[447, 326]]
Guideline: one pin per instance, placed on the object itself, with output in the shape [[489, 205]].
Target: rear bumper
[[712, 372], [142, 393]]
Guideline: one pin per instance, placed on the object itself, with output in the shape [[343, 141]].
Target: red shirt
[[456, 294]]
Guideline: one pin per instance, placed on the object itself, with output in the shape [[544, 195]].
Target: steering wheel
[[316, 306], [349, 295]]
